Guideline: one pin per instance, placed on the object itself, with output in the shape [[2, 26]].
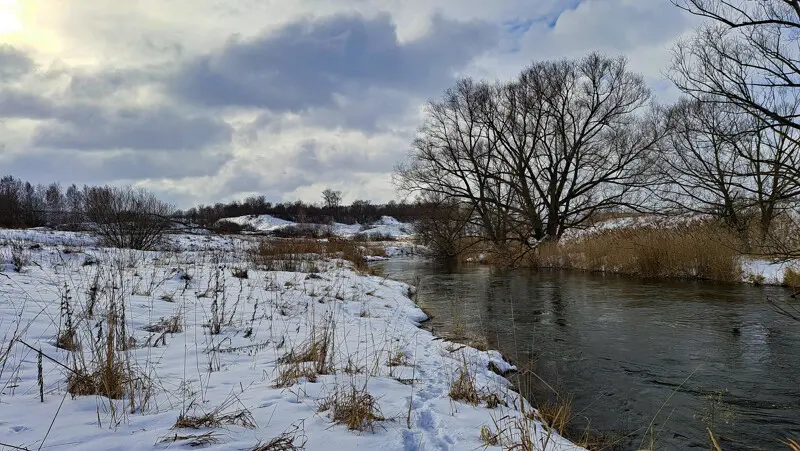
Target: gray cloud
[[157, 128], [13, 63], [305, 63], [16, 103], [44, 166], [316, 157]]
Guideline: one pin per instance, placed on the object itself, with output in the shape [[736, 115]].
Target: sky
[[205, 101]]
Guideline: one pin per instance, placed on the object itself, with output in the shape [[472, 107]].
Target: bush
[[315, 231], [224, 227], [128, 217]]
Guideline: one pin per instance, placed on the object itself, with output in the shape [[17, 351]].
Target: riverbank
[[196, 345], [649, 247]]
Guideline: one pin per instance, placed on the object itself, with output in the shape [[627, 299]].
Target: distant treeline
[[360, 211], [25, 205]]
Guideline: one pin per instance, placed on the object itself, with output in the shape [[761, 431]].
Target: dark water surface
[[682, 355]]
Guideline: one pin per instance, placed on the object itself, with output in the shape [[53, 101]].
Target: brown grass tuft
[[356, 409], [290, 373], [170, 325], [791, 277], [463, 388], [193, 440], [399, 358], [220, 416], [316, 351], [68, 340], [792, 444], [291, 440], [109, 380], [557, 415]]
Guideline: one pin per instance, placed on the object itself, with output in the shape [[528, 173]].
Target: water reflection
[[680, 355]]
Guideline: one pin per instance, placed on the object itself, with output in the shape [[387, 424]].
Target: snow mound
[[387, 226], [261, 223]]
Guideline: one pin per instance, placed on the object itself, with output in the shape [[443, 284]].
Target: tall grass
[[698, 250], [301, 254]]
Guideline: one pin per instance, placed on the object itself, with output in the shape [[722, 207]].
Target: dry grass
[[109, 379], [557, 414], [68, 340], [302, 254], [792, 444], [316, 351], [193, 440], [171, 325], [356, 408], [289, 374], [699, 250], [511, 433], [399, 358], [463, 388], [222, 415], [791, 277], [291, 440]]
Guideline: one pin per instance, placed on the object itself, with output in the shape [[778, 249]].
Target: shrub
[[791, 277], [225, 227], [315, 231], [127, 217]]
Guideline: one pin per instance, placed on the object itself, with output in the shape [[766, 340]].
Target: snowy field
[[199, 348]]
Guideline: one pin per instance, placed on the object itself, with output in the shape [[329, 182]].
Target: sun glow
[[10, 21]]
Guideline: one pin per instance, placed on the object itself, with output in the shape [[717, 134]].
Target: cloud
[[13, 63], [307, 63], [72, 166], [17, 103], [152, 128]]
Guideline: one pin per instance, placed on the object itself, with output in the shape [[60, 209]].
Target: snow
[[261, 223], [384, 227], [765, 272], [389, 226], [263, 318]]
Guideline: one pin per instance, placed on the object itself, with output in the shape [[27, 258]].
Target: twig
[[12, 446], [48, 357]]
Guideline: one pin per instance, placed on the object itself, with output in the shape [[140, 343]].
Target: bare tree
[[332, 199], [444, 226], [127, 217], [54, 204], [746, 55], [703, 162], [542, 154], [74, 204]]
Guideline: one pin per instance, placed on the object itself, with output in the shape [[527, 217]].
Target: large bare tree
[[543, 153]]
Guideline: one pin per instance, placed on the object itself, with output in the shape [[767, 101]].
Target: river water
[[643, 361]]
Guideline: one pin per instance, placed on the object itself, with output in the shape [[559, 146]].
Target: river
[[643, 361]]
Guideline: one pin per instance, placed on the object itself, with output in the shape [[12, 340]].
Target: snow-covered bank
[[206, 333], [764, 272]]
